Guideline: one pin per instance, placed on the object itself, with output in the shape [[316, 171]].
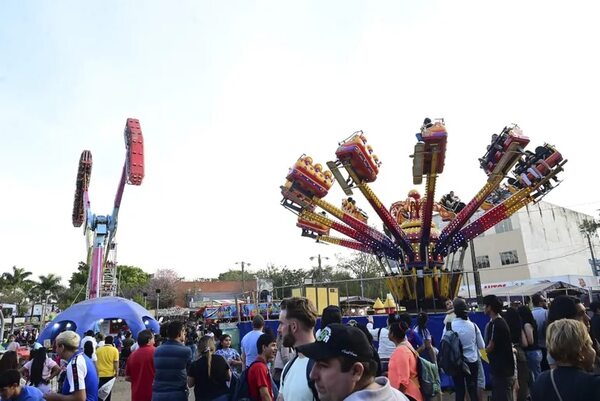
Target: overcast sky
[[230, 93]]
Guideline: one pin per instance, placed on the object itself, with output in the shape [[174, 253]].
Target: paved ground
[[122, 392]]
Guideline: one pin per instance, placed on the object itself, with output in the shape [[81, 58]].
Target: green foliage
[[236, 275], [345, 275], [79, 277], [132, 281], [283, 279], [18, 279], [589, 227]]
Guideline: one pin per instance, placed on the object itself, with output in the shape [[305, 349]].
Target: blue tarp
[[86, 315], [434, 324]]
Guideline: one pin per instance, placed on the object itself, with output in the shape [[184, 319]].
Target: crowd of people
[[547, 352]]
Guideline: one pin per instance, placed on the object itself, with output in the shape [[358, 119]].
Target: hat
[[339, 340], [459, 305]]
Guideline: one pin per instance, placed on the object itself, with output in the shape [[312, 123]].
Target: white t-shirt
[[386, 346], [248, 345], [81, 370], [295, 386]]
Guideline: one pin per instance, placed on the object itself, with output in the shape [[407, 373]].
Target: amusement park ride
[[411, 249], [100, 230]]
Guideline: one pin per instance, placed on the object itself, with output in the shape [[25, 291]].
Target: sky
[[230, 94]]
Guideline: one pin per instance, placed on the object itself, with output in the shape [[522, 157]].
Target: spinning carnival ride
[[100, 230], [411, 249]]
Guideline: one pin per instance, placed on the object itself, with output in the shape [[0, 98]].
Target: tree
[[236, 275], [362, 266], [132, 280], [283, 279], [77, 285], [166, 280], [50, 282], [18, 279]]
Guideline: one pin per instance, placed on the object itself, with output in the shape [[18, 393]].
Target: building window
[[482, 261], [504, 226], [509, 258]]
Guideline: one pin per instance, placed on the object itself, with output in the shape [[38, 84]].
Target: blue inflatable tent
[[87, 315]]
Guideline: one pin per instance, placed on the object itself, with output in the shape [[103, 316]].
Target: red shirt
[[140, 368], [258, 376]]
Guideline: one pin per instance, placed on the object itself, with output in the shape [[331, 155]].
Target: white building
[[539, 242]]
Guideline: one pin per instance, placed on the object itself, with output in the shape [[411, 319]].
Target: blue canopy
[[86, 315]]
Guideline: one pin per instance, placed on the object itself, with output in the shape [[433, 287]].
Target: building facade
[[539, 242]]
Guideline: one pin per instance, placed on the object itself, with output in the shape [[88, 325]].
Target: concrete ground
[[122, 392]]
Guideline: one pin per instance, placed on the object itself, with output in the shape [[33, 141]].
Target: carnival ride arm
[[365, 241], [506, 162]]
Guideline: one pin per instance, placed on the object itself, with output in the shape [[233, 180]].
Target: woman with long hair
[[532, 350], [40, 370], [519, 342], [209, 373], [402, 370], [231, 355]]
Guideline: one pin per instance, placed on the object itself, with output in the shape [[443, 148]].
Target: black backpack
[[311, 383], [240, 390]]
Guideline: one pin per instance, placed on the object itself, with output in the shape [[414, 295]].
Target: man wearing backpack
[[297, 321], [260, 384], [464, 337]]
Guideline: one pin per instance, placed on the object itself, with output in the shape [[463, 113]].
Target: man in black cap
[[345, 367]]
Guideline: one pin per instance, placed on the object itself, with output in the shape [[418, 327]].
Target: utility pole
[[318, 257], [594, 267], [243, 264], [476, 277], [157, 302]]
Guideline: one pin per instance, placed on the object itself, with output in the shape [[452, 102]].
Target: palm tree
[[50, 283], [18, 279]]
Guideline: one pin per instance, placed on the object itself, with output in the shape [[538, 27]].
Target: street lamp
[[47, 293], [243, 264], [157, 301], [319, 258], [30, 309]]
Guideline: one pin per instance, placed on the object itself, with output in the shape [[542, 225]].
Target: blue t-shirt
[[29, 393], [81, 375], [249, 345]]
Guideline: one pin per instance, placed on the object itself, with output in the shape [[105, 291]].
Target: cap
[[339, 340]]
